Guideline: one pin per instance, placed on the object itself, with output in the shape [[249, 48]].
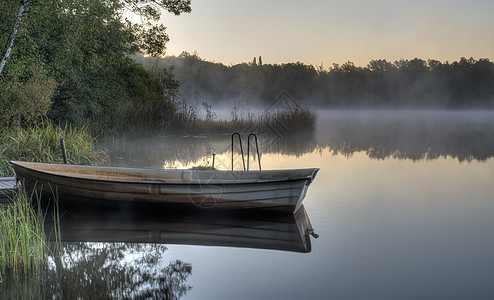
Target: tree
[[150, 37], [10, 43], [380, 65], [84, 46]]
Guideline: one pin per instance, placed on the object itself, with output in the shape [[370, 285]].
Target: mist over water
[[380, 134], [402, 205], [409, 134]]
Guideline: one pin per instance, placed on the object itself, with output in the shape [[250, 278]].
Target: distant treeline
[[416, 83]]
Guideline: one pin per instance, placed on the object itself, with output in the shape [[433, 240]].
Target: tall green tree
[[84, 47]]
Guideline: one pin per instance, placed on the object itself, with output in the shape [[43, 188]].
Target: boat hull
[[278, 190]]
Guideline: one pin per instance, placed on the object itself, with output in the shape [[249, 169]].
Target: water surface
[[403, 206]]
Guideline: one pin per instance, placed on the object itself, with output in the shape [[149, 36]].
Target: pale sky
[[333, 31]]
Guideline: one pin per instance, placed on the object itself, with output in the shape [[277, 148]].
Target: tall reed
[[23, 245], [281, 121], [42, 144], [289, 122]]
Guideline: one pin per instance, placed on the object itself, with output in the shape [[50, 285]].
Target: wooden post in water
[[62, 143]]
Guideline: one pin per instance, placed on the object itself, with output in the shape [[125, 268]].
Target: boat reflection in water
[[121, 253], [164, 225]]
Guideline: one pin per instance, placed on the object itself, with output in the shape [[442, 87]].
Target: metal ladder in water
[[248, 149]]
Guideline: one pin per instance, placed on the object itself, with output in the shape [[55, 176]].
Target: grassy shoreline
[[42, 144], [23, 240]]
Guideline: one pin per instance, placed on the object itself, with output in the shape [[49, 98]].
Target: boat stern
[[308, 181]]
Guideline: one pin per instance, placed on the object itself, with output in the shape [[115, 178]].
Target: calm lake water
[[403, 205]]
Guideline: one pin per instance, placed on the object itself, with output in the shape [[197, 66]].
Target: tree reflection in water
[[103, 271]]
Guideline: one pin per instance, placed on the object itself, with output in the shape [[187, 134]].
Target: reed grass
[[289, 121], [284, 122], [42, 144], [23, 246]]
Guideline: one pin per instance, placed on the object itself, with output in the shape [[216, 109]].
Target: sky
[[323, 32]]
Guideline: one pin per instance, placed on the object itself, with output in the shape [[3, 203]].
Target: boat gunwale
[[309, 177]]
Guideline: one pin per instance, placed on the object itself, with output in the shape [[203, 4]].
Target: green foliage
[[151, 39], [42, 144], [22, 238], [26, 101], [23, 246], [166, 76], [151, 10], [146, 108], [81, 50]]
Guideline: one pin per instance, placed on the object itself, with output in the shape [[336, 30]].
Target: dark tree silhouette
[[404, 83]]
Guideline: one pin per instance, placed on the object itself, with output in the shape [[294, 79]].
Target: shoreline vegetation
[[42, 144], [24, 243]]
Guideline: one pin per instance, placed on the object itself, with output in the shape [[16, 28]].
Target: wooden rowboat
[[271, 189]]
